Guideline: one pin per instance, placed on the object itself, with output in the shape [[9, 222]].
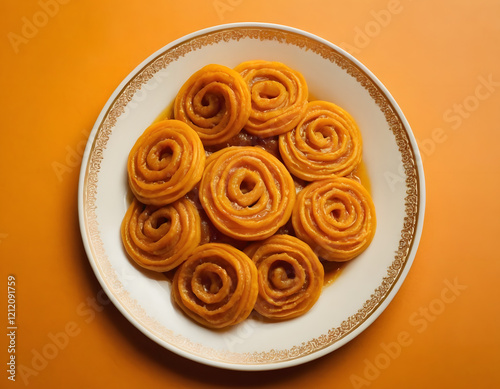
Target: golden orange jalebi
[[326, 142], [241, 144], [279, 95], [165, 163], [215, 102], [336, 217], [216, 286], [290, 276], [161, 238], [246, 192]]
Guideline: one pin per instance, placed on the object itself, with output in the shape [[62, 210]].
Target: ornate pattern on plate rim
[[411, 200]]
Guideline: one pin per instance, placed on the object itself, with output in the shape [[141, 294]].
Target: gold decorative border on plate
[[117, 108]]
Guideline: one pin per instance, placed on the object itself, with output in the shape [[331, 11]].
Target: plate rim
[[394, 287]]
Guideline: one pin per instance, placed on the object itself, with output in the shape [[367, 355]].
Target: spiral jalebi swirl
[[336, 217], [326, 142], [246, 192], [165, 163], [290, 276], [215, 102], [279, 95], [161, 238], [216, 286]]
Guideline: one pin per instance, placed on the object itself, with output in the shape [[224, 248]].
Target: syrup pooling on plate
[[281, 182]]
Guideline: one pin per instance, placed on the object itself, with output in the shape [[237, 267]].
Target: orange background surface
[[432, 56]]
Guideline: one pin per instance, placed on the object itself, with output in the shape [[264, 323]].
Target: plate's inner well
[[352, 299]]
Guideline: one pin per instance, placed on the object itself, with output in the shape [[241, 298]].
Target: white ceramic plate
[[366, 285]]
